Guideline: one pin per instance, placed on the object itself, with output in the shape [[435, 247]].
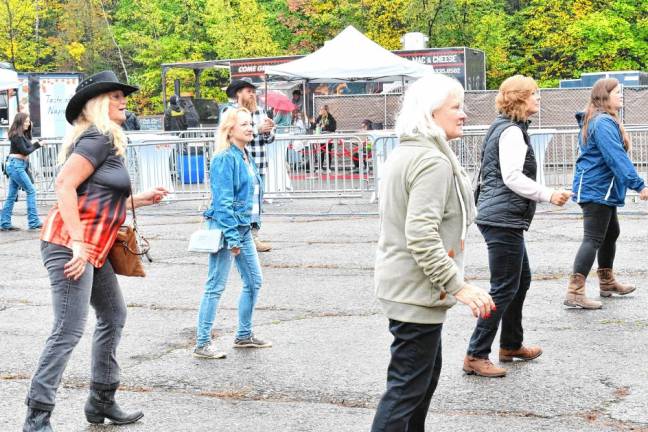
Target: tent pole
[[164, 95], [265, 99], [304, 111]]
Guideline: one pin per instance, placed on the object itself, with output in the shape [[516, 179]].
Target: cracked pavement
[[327, 368]]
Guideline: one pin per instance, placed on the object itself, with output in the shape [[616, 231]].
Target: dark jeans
[[71, 299], [412, 377], [326, 154], [601, 230], [510, 280]]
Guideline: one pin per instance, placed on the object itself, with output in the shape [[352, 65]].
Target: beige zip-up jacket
[[419, 259]]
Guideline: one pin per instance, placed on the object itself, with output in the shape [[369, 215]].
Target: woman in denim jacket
[[236, 199]]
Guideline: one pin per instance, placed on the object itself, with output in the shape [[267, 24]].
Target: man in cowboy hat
[[243, 94]]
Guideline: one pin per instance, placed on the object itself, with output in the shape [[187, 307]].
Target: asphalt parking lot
[[327, 368]]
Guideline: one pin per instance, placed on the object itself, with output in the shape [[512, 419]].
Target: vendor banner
[[55, 92]]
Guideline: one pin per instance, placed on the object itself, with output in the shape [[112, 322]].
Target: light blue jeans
[[220, 264], [18, 178]]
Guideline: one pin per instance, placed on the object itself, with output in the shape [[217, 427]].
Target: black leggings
[[601, 230]]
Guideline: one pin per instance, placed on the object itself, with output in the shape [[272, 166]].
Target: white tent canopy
[[8, 79], [350, 56]]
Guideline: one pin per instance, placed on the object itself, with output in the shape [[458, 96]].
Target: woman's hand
[[643, 195], [480, 301], [74, 268], [153, 196], [236, 251], [560, 197]]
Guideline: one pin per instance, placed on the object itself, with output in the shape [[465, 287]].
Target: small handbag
[[126, 253], [206, 240]]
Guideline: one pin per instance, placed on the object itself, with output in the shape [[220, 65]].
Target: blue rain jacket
[[603, 169]]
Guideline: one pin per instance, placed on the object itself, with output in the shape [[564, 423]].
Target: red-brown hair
[[600, 102], [512, 97]]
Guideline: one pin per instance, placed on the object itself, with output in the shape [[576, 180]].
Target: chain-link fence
[[557, 107]]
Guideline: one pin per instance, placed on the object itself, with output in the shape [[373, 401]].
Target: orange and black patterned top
[[102, 199]]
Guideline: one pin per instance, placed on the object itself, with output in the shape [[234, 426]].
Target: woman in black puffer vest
[[506, 206]]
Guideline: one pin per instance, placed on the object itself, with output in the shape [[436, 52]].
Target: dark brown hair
[[16, 128], [600, 103]]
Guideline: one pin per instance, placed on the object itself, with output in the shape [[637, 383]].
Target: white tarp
[[8, 79], [350, 56]]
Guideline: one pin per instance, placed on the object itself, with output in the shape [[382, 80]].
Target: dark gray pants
[[412, 377], [71, 300]]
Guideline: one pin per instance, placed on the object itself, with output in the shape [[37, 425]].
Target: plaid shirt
[[257, 145]]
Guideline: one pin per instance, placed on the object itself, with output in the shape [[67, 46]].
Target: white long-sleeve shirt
[[512, 153]]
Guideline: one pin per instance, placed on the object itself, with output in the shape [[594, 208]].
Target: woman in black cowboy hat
[[92, 192]]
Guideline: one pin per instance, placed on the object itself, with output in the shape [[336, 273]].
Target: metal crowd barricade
[[322, 164], [179, 164], [309, 166]]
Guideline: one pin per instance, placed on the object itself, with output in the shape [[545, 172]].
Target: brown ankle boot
[[482, 367], [576, 294], [522, 353], [608, 285]]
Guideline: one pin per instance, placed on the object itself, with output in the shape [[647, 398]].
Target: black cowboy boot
[[37, 421], [101, 405]]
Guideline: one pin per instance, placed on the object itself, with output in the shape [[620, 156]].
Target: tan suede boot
[[576, 294], [482, 367], [608, 285], [522, 353], [262, 246]]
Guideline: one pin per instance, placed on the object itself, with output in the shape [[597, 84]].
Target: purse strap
[[132, 200]]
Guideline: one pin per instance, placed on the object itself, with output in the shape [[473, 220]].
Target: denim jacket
[[603, 169], [232, 190]]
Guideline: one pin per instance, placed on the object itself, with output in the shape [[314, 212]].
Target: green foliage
[[546, 39]]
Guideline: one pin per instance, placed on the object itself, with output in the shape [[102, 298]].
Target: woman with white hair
[[426, 206], [93, 191]]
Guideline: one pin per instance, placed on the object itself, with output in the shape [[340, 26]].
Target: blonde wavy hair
[[512, 97], [226, 125], [94, 113]]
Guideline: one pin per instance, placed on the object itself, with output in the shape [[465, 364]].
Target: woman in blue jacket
[[236, 199], [603, 173]]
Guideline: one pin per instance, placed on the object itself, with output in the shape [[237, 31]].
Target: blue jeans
[[220, 263], [510, 280], [18, 178]]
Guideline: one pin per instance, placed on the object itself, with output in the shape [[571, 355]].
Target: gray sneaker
[[208, 352], [251, 342]]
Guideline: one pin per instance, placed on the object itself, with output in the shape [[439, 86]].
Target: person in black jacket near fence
[[20, 134], [132, 122], [325, 122]]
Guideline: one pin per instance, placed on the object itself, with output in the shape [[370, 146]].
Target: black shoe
[[36, 228], [37, 421], [101, 405], [10, 228]]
